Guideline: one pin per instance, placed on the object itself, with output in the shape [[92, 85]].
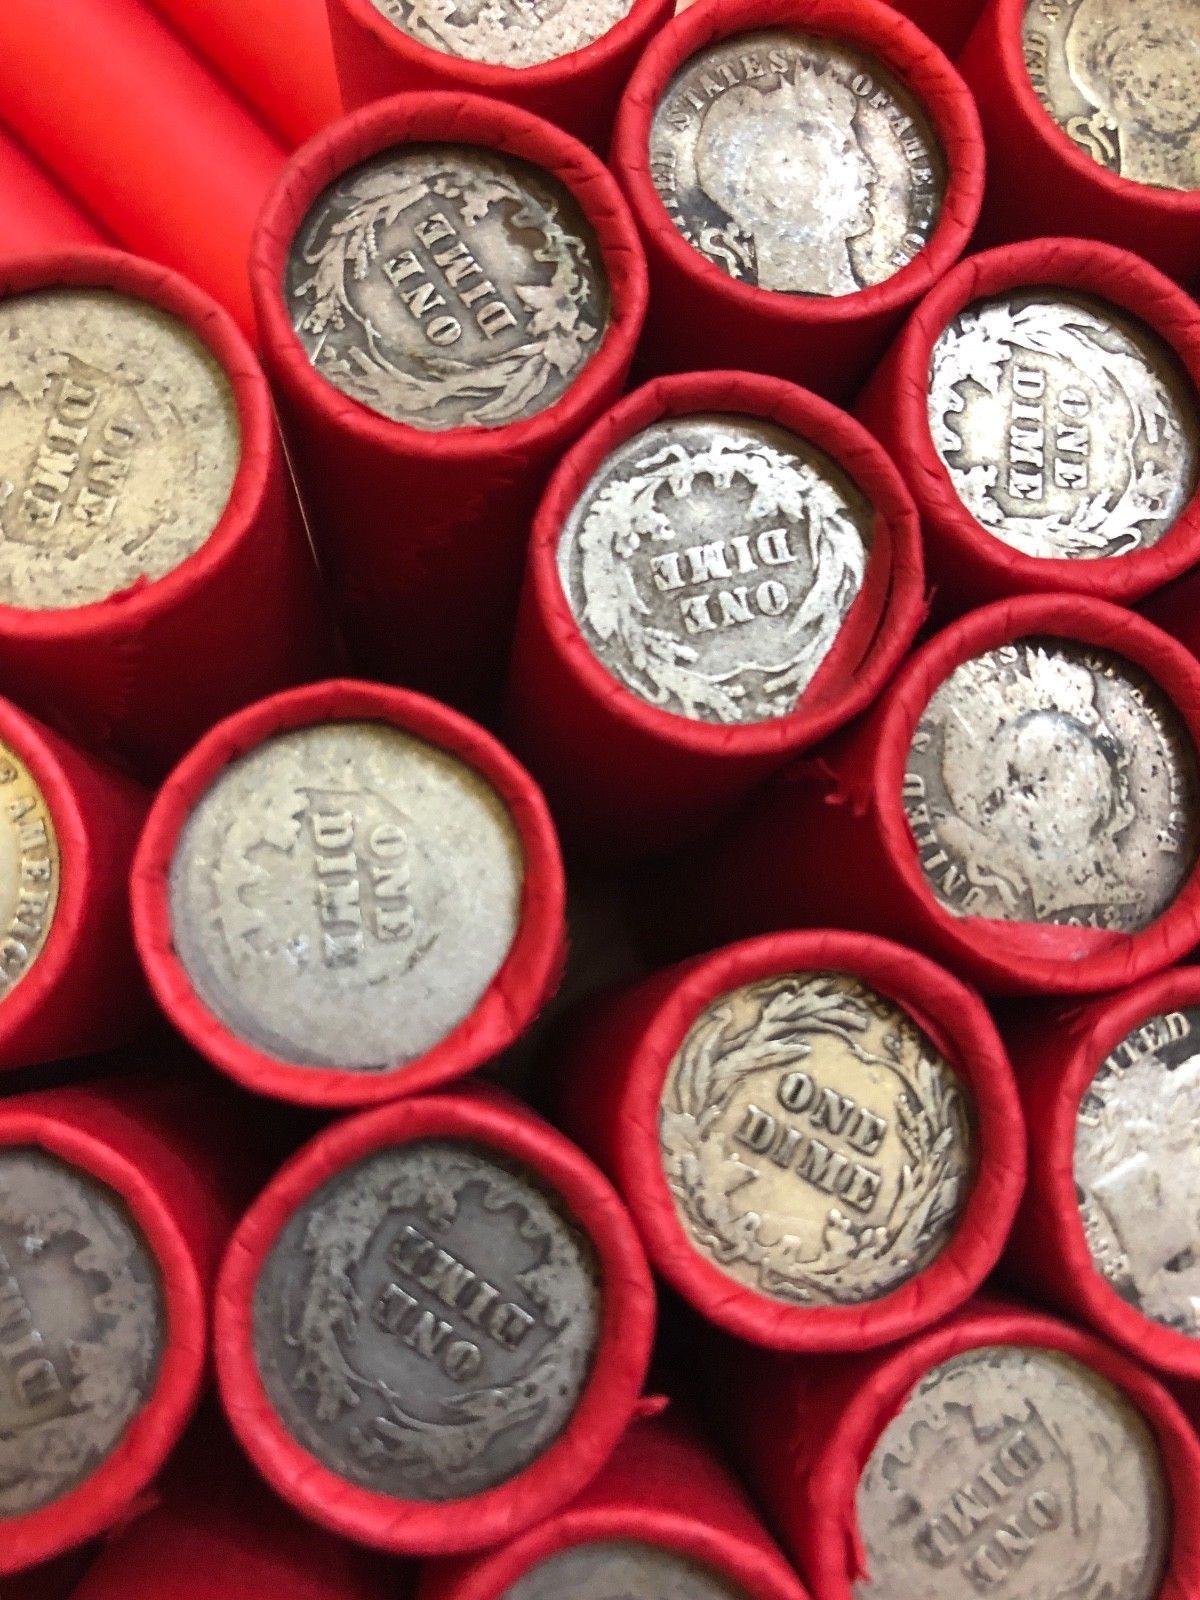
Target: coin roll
[[792, 298], [35, 214], [947, 22], [505, 1320], [671, 624], [423, 521]]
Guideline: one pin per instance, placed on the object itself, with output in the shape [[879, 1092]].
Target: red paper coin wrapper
[[578, 92], [143, 673], [525, 980], [947, 22], [662, 1488], [609, 1088], [583, 732], [698, 313], [604, 1409], [967, 565], [35, 214], [804, 1433], [828, 842], [1042, 182], [422, 534]]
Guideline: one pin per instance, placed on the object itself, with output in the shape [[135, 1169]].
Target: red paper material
[[602, 1413], [423, 534], [701, 316], [1041, 182], [947, 22], [583, 732], [35, 214]]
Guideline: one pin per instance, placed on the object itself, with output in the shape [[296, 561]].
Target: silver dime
[[796, 163], [818, 1148], [344, 894], [82, 1327], [1122, 78], [30, 870], [1051, 782], [119, 444], [710, 563], [1017, 1473], [506, 33], [624, 1569], [426, 1322], [1137, 1169], [446, 286], [1068, 428]]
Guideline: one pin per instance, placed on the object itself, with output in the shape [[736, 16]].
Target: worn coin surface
[[1014, 1472], [344, 894], [817, 1146], [796, 163], [30, 869], [1137, 1169], [505, 33], [710, 564], [82, 1326], [623, 1569], [1122, 77], [1051, 782], [1068, 428], [119, 444], [426, 1322], [446, 286]]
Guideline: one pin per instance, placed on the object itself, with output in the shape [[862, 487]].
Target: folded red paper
[[35, 214], [947, 22]]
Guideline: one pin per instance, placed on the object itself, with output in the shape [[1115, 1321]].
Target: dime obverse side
[[622, 1569], [505, 33], [817, 1147], [1069, 429], [119, 444], [796, 163], [1137, 1169], [447, 286], [82, 1327], [1051, 782], [1122, 79], [1018, 1473], [344, 894], [426, 1322], [710, 564], [30, 870]]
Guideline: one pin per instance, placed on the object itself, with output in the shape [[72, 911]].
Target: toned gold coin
[[506, 33], [818, 1148], [30, 870]]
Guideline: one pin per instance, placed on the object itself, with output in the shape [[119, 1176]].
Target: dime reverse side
[[119, 444], [30, 870], [447, 286], [624, 1569], [796, 163], [506, 33], [1122, 78], [1014, 1472], [818, 1148], [1137, 1169], [82, 1327], [344, 894], [1068, 428], [426, 1322], [1051, 782]]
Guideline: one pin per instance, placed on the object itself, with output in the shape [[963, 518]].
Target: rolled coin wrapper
[[35, 214], [662, 1500], [947, 22], [584, 725], [486, 1402], [708, 306], [1090, 436], [423, 524]]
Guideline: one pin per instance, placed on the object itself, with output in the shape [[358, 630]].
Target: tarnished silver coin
[[506, 33], [119, 444], [344, 894], [447, 286], [1068, 428], [710, 564], [1051, 782], [796, 163], [1015, 1472], [82, 1327], [426, 1322], [817, 1146], [623, 1569], [1137, 1169], [30, 869], [1122, 78]]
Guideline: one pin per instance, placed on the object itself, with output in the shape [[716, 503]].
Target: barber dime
[[30, 870], [447, 286], [1122, 78], [796, 163], [425, 1323], [711, 562], [1068, 429], [509, 33], [621, 1570], [1051, 782]]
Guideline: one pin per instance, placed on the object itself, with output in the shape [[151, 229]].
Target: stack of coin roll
[[35, 214]]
